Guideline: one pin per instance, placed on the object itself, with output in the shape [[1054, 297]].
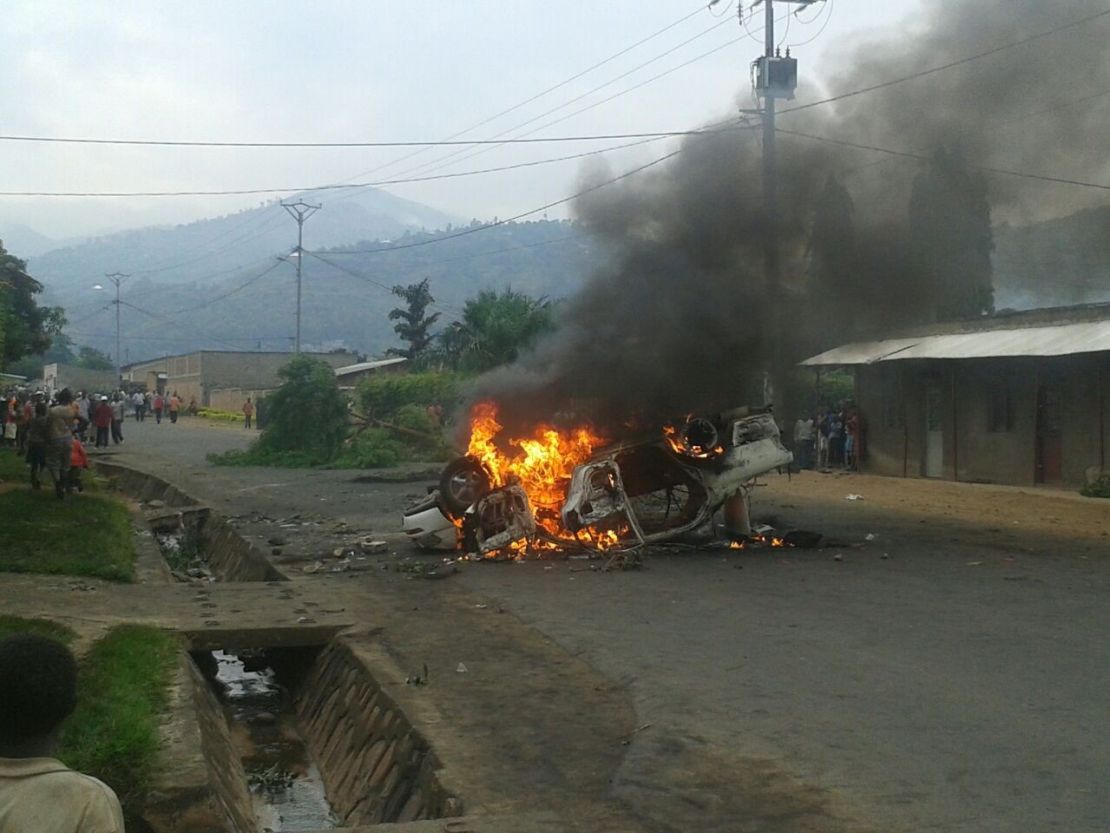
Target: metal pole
[[300, 262], [770, 202], [299, 211], [117, 278]]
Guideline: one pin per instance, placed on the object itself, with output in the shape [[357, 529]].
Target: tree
[[25, 327], [307, 414], [413, 322], [950, 237], [92, 359], [496, 328]]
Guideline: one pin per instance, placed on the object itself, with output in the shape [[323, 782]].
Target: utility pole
[[776, 77], [117, 278], [299, 211]]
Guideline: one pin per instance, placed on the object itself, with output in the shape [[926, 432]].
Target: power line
[[168, 320], [925, 157], [369, 280], [496, 138], [587, 137], [539, 95], [951, 64], [476, 229], [375, 184]]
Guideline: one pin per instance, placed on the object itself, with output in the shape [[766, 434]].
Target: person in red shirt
[[78, 460], [159, 404], [102, 419]]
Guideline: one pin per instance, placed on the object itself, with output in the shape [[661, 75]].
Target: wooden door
[[934, 431], [1050, 439]]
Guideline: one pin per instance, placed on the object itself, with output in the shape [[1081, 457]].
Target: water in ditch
[[286, 788]]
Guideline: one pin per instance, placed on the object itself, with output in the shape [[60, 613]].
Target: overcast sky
[[333, 71]]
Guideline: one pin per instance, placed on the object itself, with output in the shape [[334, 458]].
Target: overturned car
[[621, 496]]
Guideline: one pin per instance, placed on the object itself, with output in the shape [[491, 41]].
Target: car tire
[[463, 483]]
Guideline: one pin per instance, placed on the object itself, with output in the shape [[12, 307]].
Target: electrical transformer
[[776, 77]]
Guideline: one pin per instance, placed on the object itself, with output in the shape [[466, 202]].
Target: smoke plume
[[682, 318]]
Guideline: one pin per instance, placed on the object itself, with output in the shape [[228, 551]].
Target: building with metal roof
[[1016, 397]]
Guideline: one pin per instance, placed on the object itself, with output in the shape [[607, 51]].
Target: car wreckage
[[661, 488]]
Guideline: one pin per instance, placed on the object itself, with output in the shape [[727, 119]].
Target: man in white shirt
[[38, 793]]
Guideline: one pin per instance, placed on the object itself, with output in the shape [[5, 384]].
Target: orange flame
[[541, 463]]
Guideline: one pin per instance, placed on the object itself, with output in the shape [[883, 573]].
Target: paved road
[[949, 687]]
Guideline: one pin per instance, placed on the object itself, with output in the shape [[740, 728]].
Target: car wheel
[[463, 483]]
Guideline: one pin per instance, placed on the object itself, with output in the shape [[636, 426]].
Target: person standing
[[62, 417], [248, 412], [117, 419], [174, 406], [158, 405], [102, 420], [803, 442], [38, 691], [84, 413], [138, 401], [38, 441]]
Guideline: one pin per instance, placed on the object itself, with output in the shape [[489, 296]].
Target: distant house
[[58, 375], [1018, 398], [349, 375], [217, 378]]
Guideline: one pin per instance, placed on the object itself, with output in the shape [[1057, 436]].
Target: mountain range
[[219, 283]]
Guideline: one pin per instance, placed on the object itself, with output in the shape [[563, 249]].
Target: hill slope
[[209, 250], [347, 302]]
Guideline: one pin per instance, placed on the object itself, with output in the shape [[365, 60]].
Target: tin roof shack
[[350, 375], [203, 374], [1018, 398]]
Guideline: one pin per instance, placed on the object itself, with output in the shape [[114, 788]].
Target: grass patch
[[83, 535], [123, 691], [219, 416], [122, 694], [43, 627], [13, 468]]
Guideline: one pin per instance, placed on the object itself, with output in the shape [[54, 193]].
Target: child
[[78, 460]]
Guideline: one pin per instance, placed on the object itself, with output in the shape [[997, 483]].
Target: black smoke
[[682, 319]]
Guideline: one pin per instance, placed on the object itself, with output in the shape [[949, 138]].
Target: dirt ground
[[941, 667]]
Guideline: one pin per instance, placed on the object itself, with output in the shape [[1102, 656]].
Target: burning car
[[561, 489]]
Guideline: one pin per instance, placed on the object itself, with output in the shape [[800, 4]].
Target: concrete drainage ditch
[[272, 729]]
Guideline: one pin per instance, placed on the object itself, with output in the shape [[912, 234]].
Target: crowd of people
[[831, 439], [51, 433]]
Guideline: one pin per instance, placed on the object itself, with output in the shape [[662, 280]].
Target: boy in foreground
[[38, 793]]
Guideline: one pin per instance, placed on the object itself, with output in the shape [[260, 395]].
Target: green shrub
[[1099, 488], [374, 448], [307, 414], [381, 397]]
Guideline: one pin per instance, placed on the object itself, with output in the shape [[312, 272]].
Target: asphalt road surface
[[944, 676]]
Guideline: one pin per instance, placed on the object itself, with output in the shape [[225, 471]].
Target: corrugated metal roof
[[861, 352], [374, 365], [1056, 340]]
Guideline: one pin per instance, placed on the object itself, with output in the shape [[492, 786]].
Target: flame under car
[[625, 495]]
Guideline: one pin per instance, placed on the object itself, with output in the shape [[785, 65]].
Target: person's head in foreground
[[38, 691]]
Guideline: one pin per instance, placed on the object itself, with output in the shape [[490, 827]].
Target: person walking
[[138, 401], [158, 404], [174, 406], [248, 412], [118, 408], [62, 418]]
